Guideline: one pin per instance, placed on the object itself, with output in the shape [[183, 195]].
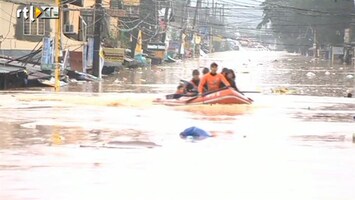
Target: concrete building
[[20, 34]]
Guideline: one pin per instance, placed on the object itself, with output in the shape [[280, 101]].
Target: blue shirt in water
[[195, 132]]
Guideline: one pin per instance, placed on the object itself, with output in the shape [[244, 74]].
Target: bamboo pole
[[57, 48]]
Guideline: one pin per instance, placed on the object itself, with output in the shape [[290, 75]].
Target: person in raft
[[180, 89], [192, 86], [231, 79], [212, 80], [205, 71], [224, 73]]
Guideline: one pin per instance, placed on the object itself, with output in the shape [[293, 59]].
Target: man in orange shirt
[[212, 80]]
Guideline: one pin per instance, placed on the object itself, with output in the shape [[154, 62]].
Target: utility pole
[[57, 50], [96, 69], [184, 7], [223, 14], [211, 39], [213, 7], [315, 45], [135, 33], [211, 27], [167, 8], [166, 16], [198, 4]]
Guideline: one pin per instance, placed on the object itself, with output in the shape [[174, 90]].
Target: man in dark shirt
[[195, 81]]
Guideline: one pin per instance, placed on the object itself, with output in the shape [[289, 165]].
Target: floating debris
[[51, 82], [314, 60], [57, 138], [283, 90], [124, 145], [310, 74], [323, 138], [81, 76]]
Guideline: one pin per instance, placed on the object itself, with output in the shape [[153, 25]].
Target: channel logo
[[34, 12]]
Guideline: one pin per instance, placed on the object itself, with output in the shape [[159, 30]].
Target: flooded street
[[69, 145]]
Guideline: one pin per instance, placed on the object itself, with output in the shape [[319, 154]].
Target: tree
[[294, 22]]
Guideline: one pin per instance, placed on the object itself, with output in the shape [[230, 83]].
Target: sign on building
[[114, 54], [347, 36], [131, 2], [47, 61], [338, 50], [156, 46]]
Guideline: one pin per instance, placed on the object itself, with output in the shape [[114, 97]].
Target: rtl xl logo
[[33, 12]]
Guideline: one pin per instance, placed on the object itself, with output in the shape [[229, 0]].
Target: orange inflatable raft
[[222, 96]]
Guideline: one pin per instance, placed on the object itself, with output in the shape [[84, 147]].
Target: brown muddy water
[[108, 141]]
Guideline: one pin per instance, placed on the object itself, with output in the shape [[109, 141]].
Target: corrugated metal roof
[[7, 69], [18, 65]]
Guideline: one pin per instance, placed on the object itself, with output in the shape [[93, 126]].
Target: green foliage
[[294, 22]]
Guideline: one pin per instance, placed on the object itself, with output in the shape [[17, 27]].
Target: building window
[[34, 28], [88, 18], [32, 31], [116, 4]]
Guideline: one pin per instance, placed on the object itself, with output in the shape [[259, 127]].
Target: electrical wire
[[67, 2], [241, 9]]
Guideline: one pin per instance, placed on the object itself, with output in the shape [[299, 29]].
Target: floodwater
[[293, 145]]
